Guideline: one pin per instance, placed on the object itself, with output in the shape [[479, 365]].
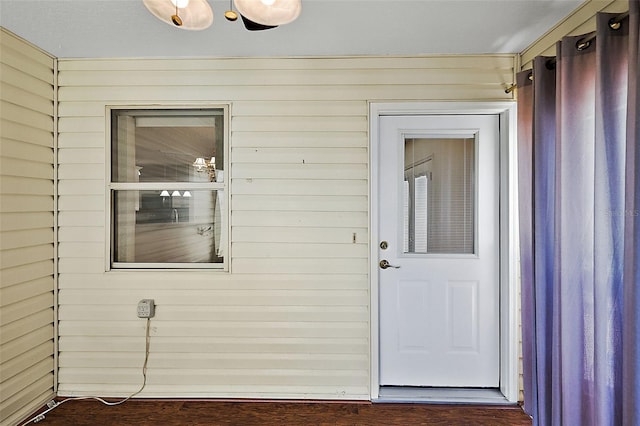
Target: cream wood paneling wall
[[27, 236], [582, 21], [291, 319]]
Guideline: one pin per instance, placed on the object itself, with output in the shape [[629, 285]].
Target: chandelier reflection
[[203, 166]]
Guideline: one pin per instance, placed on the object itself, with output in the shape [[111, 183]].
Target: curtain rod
[[614, 24], [583, 43]]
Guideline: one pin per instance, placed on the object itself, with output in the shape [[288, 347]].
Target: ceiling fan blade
[[254, 26]]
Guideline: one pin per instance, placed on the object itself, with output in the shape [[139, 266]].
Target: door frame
[[509, 284]]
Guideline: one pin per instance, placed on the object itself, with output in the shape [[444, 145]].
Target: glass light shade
[[277, 12], [197, 15], [164, 193], [175, 194], [186, 194]]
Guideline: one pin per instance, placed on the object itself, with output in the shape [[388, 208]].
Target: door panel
[[412, 333], [438, 211]]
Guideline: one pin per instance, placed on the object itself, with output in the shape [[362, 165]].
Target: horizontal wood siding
[[291, 318], [582, 21], [26, 228]]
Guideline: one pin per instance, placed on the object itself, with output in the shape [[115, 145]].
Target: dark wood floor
[[248, 413]]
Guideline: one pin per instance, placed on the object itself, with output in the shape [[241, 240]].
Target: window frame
[[112, 187]]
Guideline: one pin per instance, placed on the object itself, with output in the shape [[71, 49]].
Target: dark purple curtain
[[579, 193], [527, 282], [631, 323]]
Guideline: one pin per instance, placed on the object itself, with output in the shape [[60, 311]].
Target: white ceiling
[[124, 28]]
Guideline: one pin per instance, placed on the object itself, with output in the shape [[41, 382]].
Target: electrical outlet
[[146, 308]]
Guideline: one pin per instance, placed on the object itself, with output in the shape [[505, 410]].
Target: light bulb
[[180, 3], [268, 2]]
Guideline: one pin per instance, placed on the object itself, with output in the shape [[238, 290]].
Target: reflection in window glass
[[439, 195], [174, 227], [167, 188], [162, 146]]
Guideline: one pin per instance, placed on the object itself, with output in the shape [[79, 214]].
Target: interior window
[[168, 186]]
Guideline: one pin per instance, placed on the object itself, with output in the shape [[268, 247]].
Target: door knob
[[384, 264]]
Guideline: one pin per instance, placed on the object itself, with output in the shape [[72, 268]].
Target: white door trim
[[509, 285]]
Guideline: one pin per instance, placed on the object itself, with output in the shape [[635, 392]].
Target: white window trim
[[111, 186]]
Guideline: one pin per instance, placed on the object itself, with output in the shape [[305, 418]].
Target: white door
[[439, 251]]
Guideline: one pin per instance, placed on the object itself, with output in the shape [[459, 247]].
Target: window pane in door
[[439, 195]]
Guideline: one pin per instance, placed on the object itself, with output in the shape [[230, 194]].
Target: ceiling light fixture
[[184, 14], [270, 13], [231, 14], [177, 21], [254, 26]]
